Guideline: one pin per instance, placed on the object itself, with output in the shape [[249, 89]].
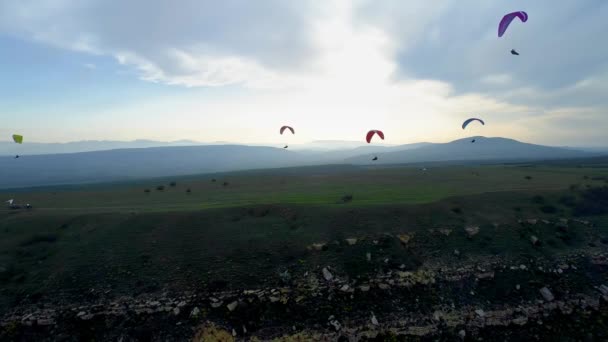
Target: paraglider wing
[[371, 133], [468, 121], [289, 128], [18, 138], [513, 52], [508, 18]]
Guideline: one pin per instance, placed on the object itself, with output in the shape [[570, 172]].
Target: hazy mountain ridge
[[138, 163]]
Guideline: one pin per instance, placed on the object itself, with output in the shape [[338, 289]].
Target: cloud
[[456, 41], [192, 42], [413, 69]]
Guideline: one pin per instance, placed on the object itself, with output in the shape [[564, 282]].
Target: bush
[[457, 210], [528, 177], [225, 184], [568, 201], [347, 198], [147, 191], [38, 238], [160, 188], [172, 184], [548, 209], [594, 202], [188, 190], [538, 199]]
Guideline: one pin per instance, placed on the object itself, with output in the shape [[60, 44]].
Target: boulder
[[547, 295]]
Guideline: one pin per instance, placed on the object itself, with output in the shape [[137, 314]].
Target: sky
[[238, 70]]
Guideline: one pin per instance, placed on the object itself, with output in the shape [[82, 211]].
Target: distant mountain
[[11, 149], [464, 149], [140, 163], [126, 164]]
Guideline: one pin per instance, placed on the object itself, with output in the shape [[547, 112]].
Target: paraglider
[[283, 130], [373, 132], [287, 127], [468, 121], [508, 18], [472, 141], [513, 52], [370, 135], [18, 138]]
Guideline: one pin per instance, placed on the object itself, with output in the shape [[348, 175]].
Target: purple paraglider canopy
[[507, 19]]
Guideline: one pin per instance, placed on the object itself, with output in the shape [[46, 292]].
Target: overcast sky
[[236, 70]]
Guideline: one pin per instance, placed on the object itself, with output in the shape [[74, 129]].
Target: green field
[[119, 238], [323, 186]]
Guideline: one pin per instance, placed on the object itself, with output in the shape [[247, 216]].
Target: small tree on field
[[172, 184]]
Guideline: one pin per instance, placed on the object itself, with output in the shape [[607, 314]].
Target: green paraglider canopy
[[18, 138]]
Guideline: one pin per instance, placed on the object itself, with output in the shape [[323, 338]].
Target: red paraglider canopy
[[289, 128], [371, 133]]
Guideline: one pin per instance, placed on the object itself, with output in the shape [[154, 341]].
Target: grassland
[[91, 242]]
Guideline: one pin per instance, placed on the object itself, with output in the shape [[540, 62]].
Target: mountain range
[[174, 160]]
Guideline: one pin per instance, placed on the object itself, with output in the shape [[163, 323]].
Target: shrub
[[594, 202], [347, 198], [457, 210], [548, 209], [568, 201], [528, 177], [172, 184], [538, 199], [39, 238], [147, 191], [160, 188], [188, 190]]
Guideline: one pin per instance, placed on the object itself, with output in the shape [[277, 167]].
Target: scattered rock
[[547, 295], [45, 321], [181, 304], [456, 252], [274, 299], [351, 241], [472, 231], [517, 287], [232, 306], [374, 319], [176, 311], [195, 312], [383, 286], [386, 261], [368, 256], [404, 238], [345, 288], [604, 289], [522, 267], [520, 320], [480, 313], [462, 334], [327, 275], [485, 275], [532, 221], [445, 231], [233, 332], [334, 322], [317, 246], [535, 241], [364, 288]]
